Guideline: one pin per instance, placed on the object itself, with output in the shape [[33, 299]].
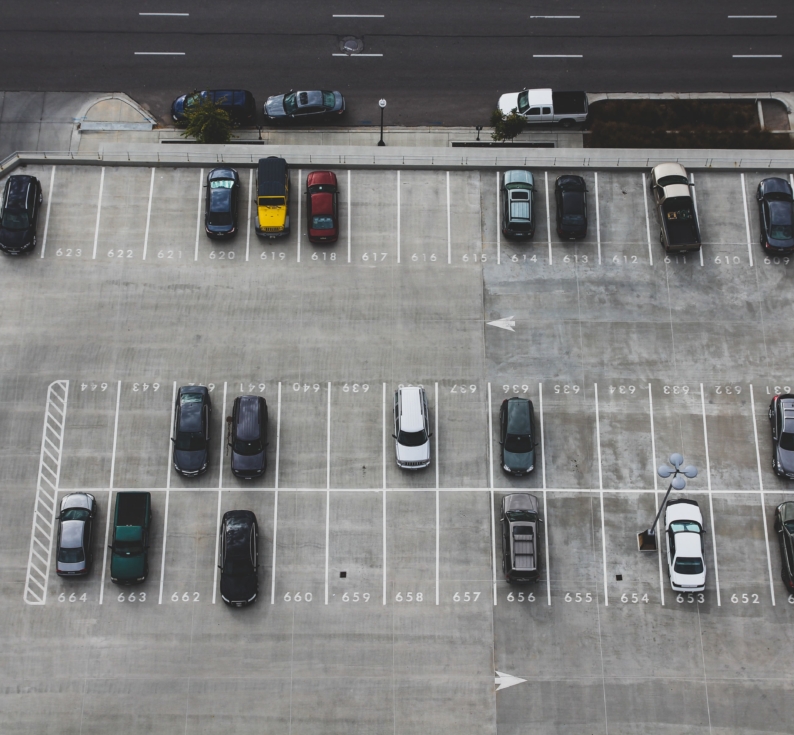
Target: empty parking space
[[463, 211], [423, 218], [411, 529], [176, 224], [374, 223], [623, 198], [723, 212], [72, 207], [125, 217], [462, 438], [360, 427]]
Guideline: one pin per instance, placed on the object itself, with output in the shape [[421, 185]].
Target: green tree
[[207, 123], [506, 127]]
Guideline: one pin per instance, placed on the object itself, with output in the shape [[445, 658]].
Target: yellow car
[[272, 199]]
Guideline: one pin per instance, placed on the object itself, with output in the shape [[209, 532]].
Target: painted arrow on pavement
[[507, 323], [505, 680]]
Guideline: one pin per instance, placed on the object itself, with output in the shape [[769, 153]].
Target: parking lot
[[382, 606]]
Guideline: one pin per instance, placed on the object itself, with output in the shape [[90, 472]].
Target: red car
[[322, 207]]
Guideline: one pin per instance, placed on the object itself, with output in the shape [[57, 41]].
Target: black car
[[781, 416], [784, 525], [192, 430], [74, 555], [313, 105], [776, 214], [517, 435], [20, 210], [239, 103], [520, 521], [222, 202], [248, 437], [238, 557], [570, 193]]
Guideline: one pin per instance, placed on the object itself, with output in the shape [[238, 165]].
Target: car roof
[[573, 202], [270, 176], [248, 408], [688, 544], [190, 415], [668, 169], [313, 98], [220, 200], [322, 202], [677, 190], [518, 415], [17, 189], [780, 212], [238, 524], [787, 511], [412, 416], [571, 183], [537, 97], [72, 534], [519, 176], [521, 501]]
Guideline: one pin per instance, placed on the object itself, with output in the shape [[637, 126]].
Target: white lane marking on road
[[751, 16], [275, 500], [47, 217], [490, 474], [46, 503], [554, 17], [708, 479], [747, 222], [498, 222], [695, 205], [647, 222], [348, 215], [327, 489], [601, 496], [167, 494], [763, 500], [167, 14], [198, 212], [545, 505], [758, 56], [598, 219], [248, 227], [655, 481], [548, 221], [435, 417], [159, 53], [556, 56], [148, 215], [220, 487], [449, 226], [398, 216], [358, 16], [384, 493], [300, 201], [351, 55], [98, 210]]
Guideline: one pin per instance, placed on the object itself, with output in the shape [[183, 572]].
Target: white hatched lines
[[46, 504]]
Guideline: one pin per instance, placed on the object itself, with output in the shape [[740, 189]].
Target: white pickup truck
[[546, 106]]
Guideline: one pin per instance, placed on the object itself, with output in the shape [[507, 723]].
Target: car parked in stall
[[322, 207], [520, 523], [222, 202], [781, 419], [192, 430], [686, 563], [776, 215], [570, 195], [518, 204], [19, 213], [308, 106], [517, 436], [238, 558], [74, 548], [784, 526], [411, 428], [248, 437]]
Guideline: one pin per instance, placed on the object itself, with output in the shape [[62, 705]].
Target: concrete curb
[[79, 119]]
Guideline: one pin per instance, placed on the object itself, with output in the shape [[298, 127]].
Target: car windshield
[[787, 442], [128, 548], [573, 220], [237, 567], [789, 525], [328, 99], [190, 441], [688, 565], [222, 184], [15, 219], [247, 449], [777, 232], [412, 438], [192, 100], [518, 443], [290, 103], [75, 514], [322, 222], [523, 101], [679, 526], [670, 180], [71, 556]]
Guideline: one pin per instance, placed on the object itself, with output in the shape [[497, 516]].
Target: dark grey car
[[784, 525], [781, 417], [517, 435], [776, 215], [74, 554], [20, 211], [222, 203], [520, 520], [192, 430], [248, 437], [312, 105]]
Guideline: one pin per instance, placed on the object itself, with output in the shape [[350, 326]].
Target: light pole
[[382, 105], [646, 540]]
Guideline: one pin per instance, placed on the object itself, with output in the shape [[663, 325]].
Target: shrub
[[207, 123], [506, 127]]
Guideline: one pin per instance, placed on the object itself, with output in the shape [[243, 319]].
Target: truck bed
[[131, 509], [569, 103]]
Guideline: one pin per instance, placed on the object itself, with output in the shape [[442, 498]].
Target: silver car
[[411, 428], [75, 532]]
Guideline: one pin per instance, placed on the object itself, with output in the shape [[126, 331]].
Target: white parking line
[[349, 197], [398, 216], [545, 506], [711, 504], [98, 210], [697, 216], [115, 436], [167, 494], [647, 219], [110, 495], [548, 219], [655, 481], [747, 222], [449, 227], [327, 489], [198, 212], [763, 500], [148, 215], [498, 222], [384, 493], [598, 219], [300, 201], [248, 221], [490, 461], [435, 416], [601, 496], [220, 486], [275, 500], [47, 217]]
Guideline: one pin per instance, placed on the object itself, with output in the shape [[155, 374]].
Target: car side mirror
[[501, 442], [173, 440], [393, 436], [430, 435]]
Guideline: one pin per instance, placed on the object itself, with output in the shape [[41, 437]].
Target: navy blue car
[[239, 103], [238, 558], [776, 215], [222, 202], [192, 430], [20, 211]]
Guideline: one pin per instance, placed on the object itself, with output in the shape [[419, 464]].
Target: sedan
[[222, 201], [309, 106], [781, 417], [191, 430], [20, 211], [776, 214], [75, 532], [784, 525], [238, 557], [518, 204], [571, 197], [322, 207], [517, 436], [686, 564]]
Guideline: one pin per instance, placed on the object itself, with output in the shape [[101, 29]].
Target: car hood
[[248, 462], [275, 106], [522, 461], [238, 589], [190, 461], [508, 102], [15, 238], [413, 454], [786, 460]]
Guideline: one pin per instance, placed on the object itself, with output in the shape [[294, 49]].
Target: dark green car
[[517, 436], [129, 559]]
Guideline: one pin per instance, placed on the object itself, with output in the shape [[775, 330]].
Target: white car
[[411, 428], [686, 563]]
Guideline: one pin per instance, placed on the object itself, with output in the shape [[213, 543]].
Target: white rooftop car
[[411, 428], [686, 564]]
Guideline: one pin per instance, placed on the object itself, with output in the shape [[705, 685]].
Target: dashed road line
[[655, 480], [159, 53], [167, 495], [758, 56], [349, 198], [45, 506], [300, 201], [398, 215], [557, 56], [384, 493], [449, 226], [327, 489]]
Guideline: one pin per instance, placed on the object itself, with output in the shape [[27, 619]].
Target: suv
[[239, 103], [272, 197], [192, 430], [221, 202], [518, 204], [784, 525], [520, 522], [20, 210], [411, 424], [247, 435], [517, 436], [238, 557], [686, 565], [781, 416]]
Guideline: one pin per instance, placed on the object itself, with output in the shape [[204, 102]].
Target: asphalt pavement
[[435, 66]]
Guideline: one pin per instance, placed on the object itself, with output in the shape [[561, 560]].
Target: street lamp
[[646, 540], [382, 105]]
